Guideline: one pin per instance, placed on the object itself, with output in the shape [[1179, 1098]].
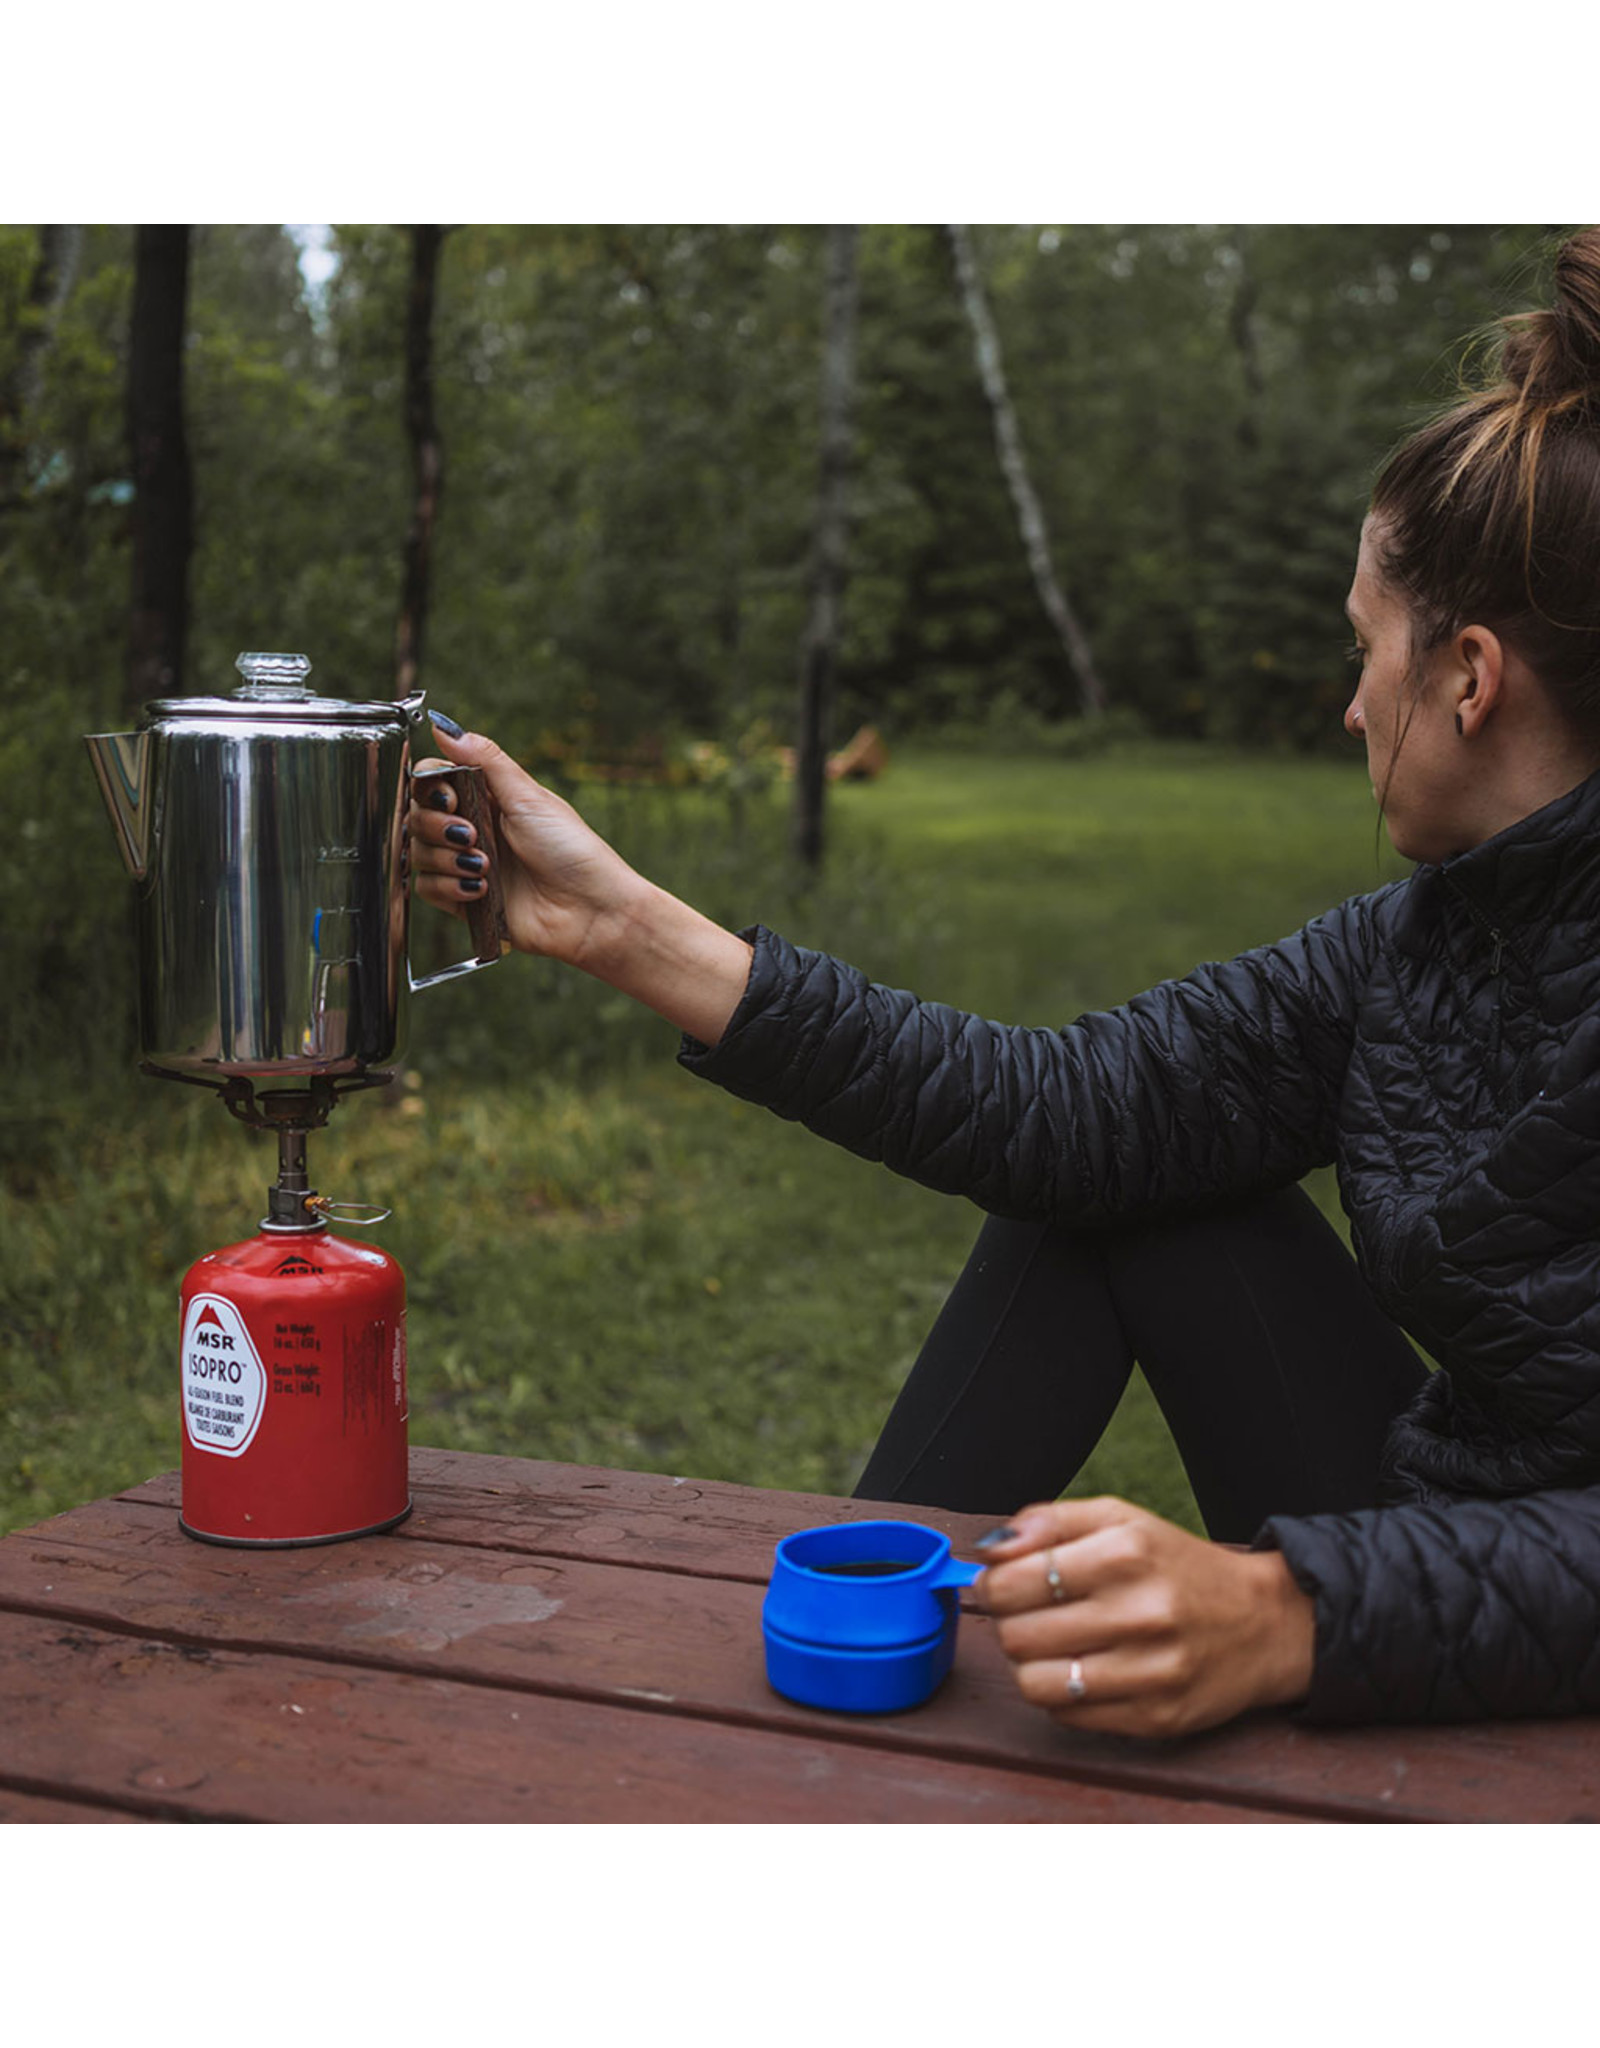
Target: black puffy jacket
[[1439, 1041]]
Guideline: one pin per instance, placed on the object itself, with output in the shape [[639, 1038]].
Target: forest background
[[620, 575]]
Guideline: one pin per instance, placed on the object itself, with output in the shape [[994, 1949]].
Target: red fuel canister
[[293, 1369]]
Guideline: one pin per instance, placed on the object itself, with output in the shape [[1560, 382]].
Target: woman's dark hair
[[1490, 514]]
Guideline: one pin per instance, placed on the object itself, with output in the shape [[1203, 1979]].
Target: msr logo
[[293, 1264], [224, 1386]]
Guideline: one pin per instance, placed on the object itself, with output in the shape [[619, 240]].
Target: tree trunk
[[55, 271], [1013, 464], [427, 458], [163, 504], [819, 648]]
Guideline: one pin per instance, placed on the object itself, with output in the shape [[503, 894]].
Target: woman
[[1421, 1547]]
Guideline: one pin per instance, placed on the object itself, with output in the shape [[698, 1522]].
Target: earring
[[1460, 728]]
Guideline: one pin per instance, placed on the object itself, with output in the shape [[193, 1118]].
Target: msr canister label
[[224, 1386]]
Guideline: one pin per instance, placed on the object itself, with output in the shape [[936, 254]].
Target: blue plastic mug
[[861, 1617]]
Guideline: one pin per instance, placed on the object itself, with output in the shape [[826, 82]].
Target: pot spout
[[121, 761]]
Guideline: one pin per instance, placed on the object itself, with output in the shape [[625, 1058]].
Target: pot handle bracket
[[486, 917]]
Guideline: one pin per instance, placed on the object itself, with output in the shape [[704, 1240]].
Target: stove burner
[[292, 1203]]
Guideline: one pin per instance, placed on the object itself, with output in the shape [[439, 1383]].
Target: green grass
[[607, 1260]]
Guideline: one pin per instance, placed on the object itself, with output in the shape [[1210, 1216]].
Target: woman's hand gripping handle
[[567, 894]]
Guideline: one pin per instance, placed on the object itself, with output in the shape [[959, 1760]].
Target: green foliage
[[1205, 409], [627, 423]]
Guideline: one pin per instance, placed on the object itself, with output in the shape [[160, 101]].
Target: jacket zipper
[[1497, 942], [1494, 1015]]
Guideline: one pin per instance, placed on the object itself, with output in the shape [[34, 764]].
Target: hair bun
[[1491, 512], [1577, 308], [1555, 355]]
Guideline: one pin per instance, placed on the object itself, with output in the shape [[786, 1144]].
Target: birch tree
[[819, 647], [1013, 464]]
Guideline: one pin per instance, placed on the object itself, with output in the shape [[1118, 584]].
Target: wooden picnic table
[[543, 1642]]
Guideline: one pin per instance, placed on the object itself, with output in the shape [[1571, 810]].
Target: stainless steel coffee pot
[[265, 831]]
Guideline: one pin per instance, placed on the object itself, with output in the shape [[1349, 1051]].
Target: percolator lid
[[275, 686]]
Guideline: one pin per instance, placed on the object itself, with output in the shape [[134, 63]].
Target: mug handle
[[486, 914]]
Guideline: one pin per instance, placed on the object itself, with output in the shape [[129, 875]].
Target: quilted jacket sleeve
[[1225, 1082], [1467, 1611]]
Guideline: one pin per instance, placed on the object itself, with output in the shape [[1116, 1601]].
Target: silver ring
[[1052, 1578], [1075, 1685]]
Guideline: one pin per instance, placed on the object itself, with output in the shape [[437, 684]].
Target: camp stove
[[265, 832]]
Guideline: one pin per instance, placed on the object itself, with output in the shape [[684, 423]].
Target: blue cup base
[[859, 1681]]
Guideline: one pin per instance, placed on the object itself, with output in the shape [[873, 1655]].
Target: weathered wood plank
[[587, 1630], [224, 1735], [641, 1519], [17, 1808], [547, 1624]]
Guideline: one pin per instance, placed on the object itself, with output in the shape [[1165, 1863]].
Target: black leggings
[[1277, 1372]]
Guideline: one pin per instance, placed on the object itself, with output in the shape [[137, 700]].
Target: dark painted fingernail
[[436, 800], [470, 863], [461, 835], [447, 724], [994, 1536], [471, 884]]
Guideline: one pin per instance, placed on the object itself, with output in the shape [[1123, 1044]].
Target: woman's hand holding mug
[[1119, 1621]]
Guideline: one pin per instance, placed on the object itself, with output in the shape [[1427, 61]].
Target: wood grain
[[17, 1808], [647, 1521], [180, 1732]]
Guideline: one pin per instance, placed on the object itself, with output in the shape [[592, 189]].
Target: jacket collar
[[1543, 869]]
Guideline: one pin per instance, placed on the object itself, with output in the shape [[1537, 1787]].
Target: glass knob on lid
[[274, 678]]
